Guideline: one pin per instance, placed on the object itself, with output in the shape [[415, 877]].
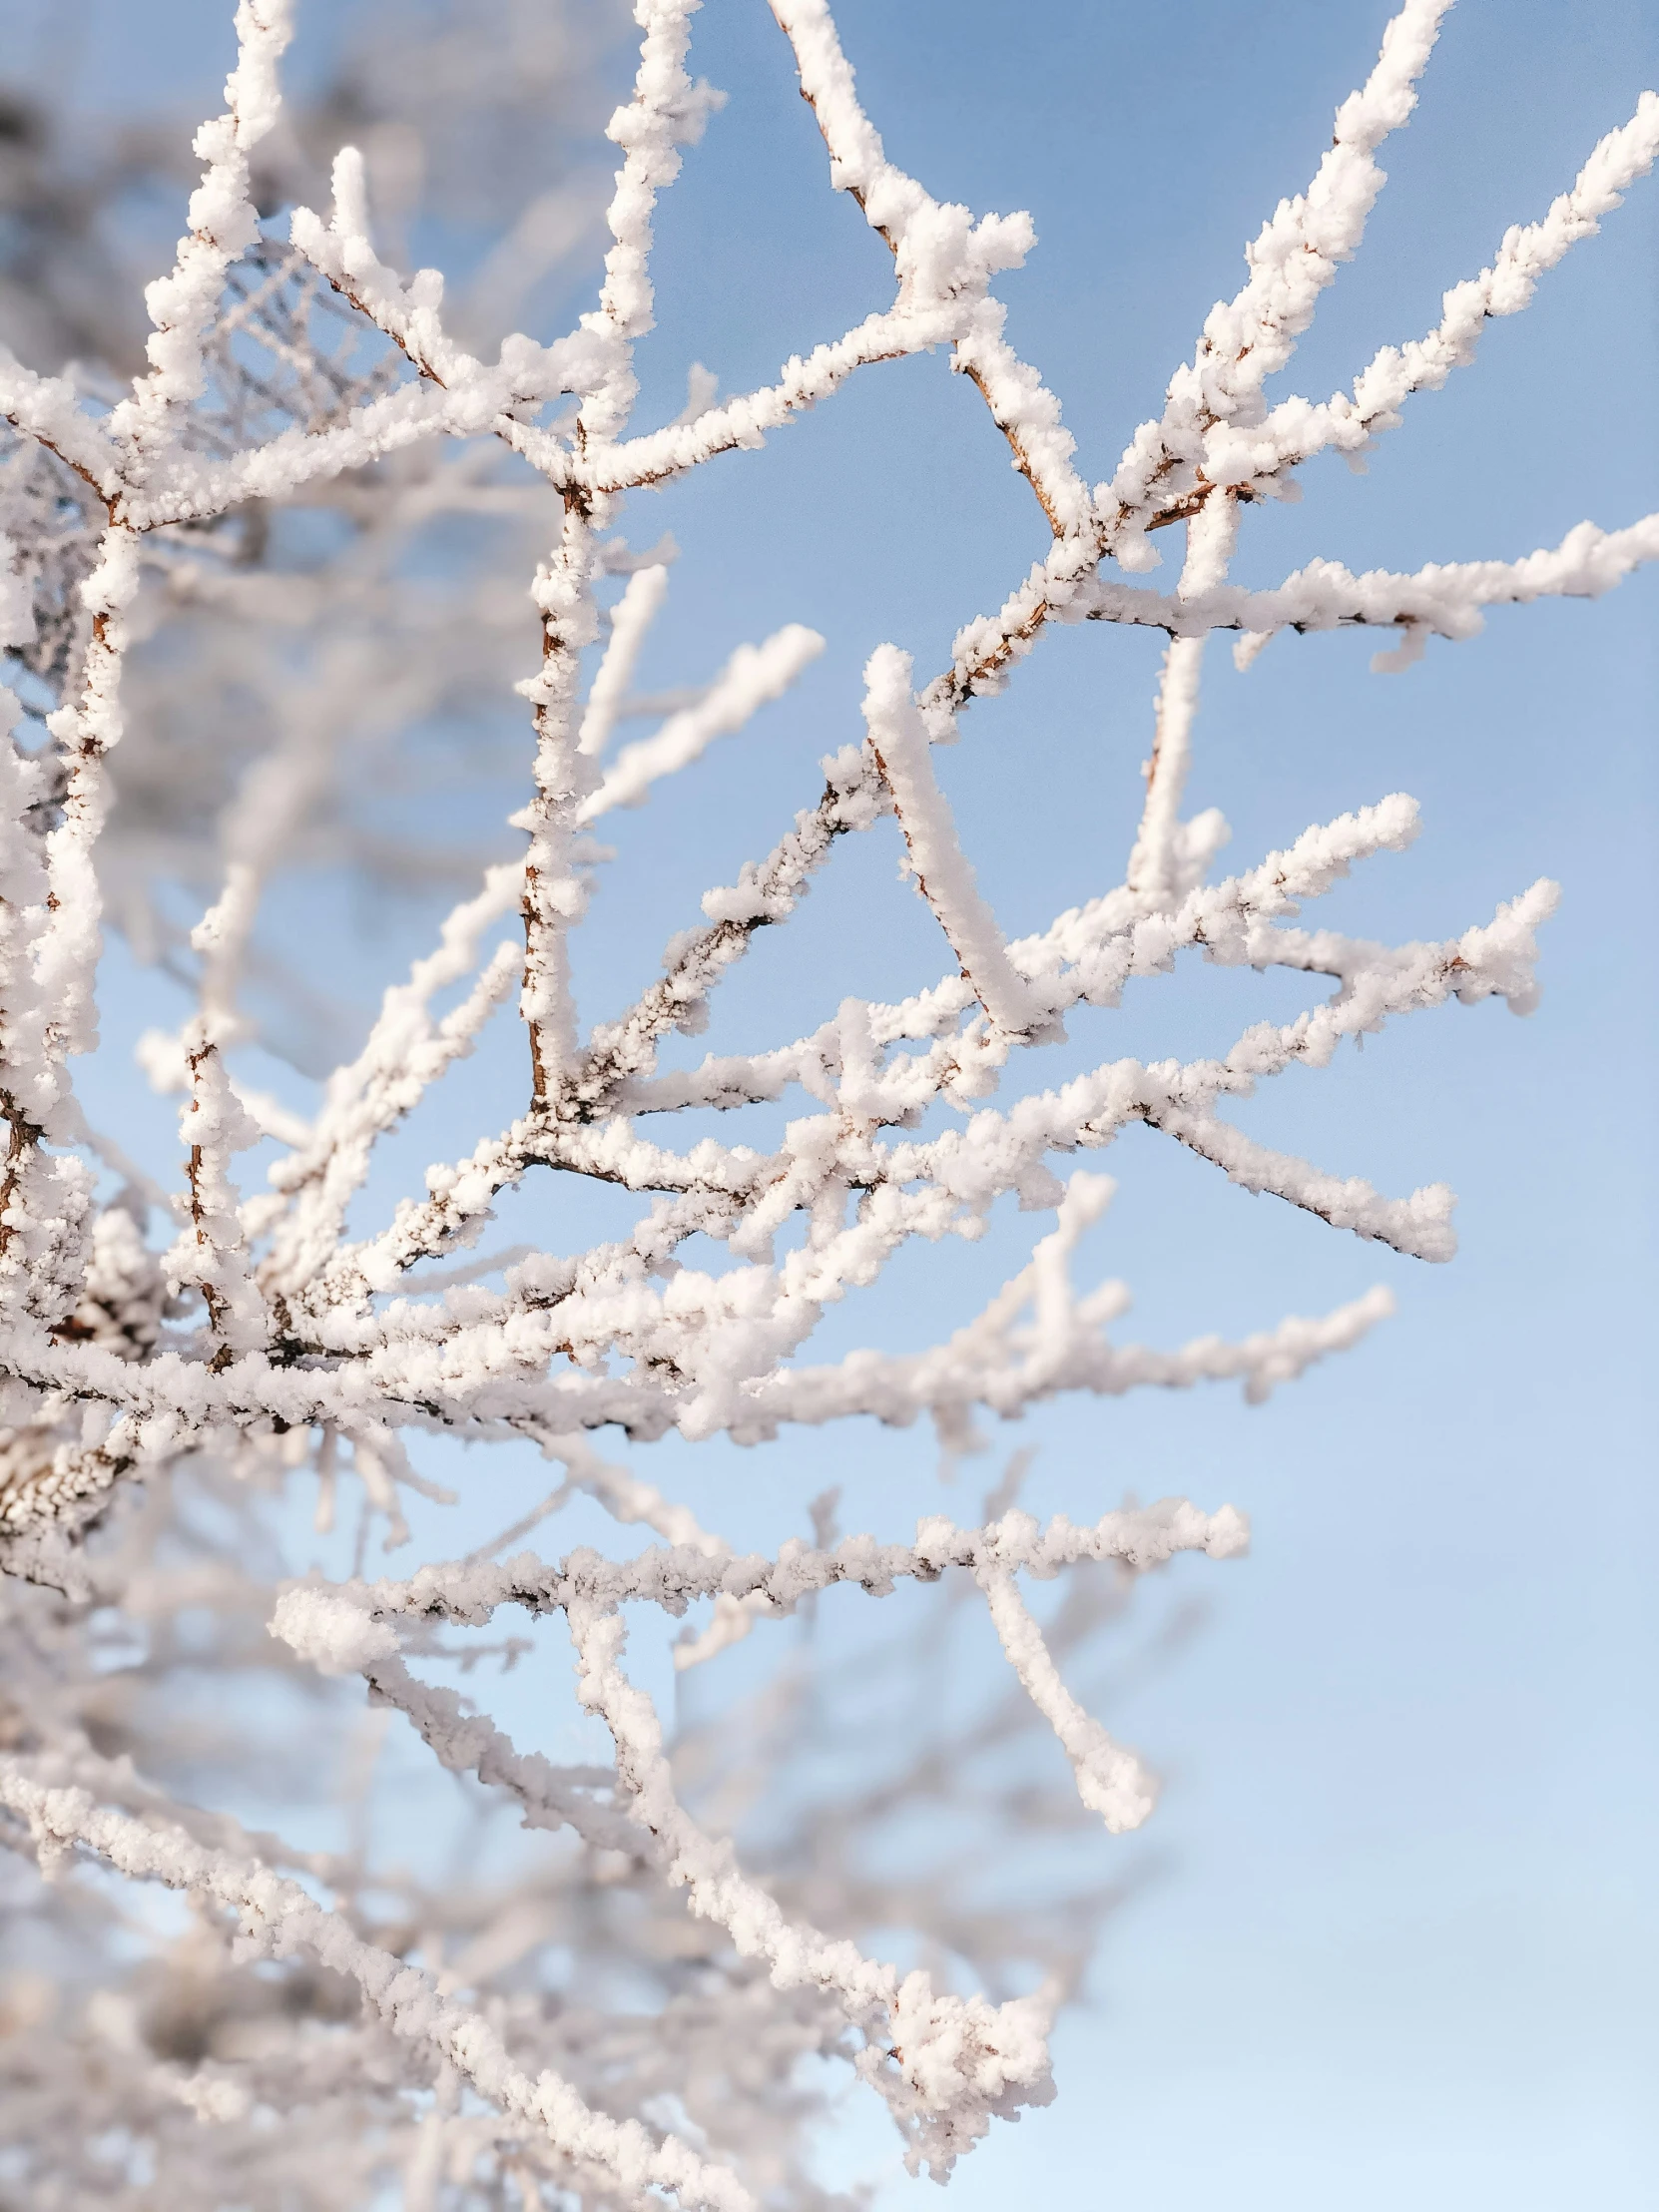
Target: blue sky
[[1402, 1934]]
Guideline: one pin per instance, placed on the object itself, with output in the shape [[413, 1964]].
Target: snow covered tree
[[257, 564]]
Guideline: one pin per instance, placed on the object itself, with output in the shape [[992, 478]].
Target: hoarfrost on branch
[[261, 1335]]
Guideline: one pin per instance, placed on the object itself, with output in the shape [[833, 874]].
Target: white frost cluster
[[270, 1331]]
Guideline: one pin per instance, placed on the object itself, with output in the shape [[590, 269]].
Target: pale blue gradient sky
[[1401, 1943]]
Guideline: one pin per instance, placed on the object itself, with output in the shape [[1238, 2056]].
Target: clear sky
[[1400, 1940]]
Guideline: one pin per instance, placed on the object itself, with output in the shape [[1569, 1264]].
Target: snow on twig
[[899, 739], [301, 1327], [750, 679]]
